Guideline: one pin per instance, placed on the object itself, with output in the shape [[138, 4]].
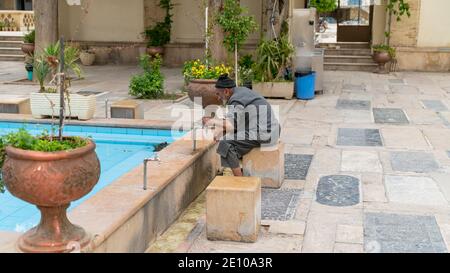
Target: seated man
[[249, 123]]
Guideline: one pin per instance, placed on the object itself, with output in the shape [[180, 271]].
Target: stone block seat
[[127, 109], [266, 163], [233, 209], [15, 106]]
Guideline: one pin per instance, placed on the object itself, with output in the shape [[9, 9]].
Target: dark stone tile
[[354, 87], [359, 137], [394, 233], [418, 162], [296, 166], [353, 104], [435, 105], [280, 204], [338, 191], [390, 116]]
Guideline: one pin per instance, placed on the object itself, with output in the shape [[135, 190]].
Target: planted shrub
[[150, 84]]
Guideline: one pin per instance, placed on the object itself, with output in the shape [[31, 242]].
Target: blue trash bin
[[305, 83]]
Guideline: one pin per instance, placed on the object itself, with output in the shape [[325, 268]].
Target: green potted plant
[[384, 53], [150, 84], [46, 102], [273, 60], [236, 27], [246, 74], [159, 34], [87, 57], [28, 43], [50, 171], [201, 77]]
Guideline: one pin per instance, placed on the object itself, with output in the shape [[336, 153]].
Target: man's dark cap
[[225, 82]]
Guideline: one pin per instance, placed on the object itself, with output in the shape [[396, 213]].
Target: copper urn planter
[[28, 48], [381, 58], [204, 89], [51, 181], [154, 50]]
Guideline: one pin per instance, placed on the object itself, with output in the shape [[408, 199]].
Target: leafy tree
[[237, 26], [323, 5]]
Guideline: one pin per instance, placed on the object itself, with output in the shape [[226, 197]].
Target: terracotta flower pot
[[153, 50], [51, 181], [381, 58], [87, 58], [28, 48], [204, 89]]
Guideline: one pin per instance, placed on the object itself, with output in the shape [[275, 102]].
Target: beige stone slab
[[266, 243], [404, 138], [361, 161], [348, 248], [233, 209], [423, 116], [439, 138], [293, 227], [8, 242], [266, 163], [350, 234]]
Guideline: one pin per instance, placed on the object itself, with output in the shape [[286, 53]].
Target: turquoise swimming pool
[[119, 149]]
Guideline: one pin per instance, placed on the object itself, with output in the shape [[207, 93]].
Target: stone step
[[11, 38], [370, 67], [348, 59], [354, 45], [17, 44], [10, 58], [348, 51], [11, 51]]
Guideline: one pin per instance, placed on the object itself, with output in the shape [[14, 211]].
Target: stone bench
[[127, 109], [266, 163], [233, 209], [15, 106]]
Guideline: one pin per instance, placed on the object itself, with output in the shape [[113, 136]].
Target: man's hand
[[206, 120]]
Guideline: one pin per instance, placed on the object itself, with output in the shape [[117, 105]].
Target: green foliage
[[150, 84], [47, 64], [30, 37], [246, 64], [235, 24], [71, 57], [385, 48], [323, 6], [22, 139], [273, 57], [41, 70], [159, 35], [2, 25], [398, 8]]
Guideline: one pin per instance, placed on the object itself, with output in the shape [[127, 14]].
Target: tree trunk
[[216, 47], [236, 66], [46, 23], [279, 17]]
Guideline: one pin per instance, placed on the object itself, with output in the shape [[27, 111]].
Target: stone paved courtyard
[[379, 178], [367, 165]]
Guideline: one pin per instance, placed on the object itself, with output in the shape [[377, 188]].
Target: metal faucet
[[106, 108], [154, 159], [195, 127]]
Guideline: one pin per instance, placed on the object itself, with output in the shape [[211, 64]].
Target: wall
[[405, 32], [379, 23], [106, 21], [7, 5], [434, 24], [189, 20]]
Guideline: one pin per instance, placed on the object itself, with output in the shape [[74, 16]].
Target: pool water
[[119, 150]]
